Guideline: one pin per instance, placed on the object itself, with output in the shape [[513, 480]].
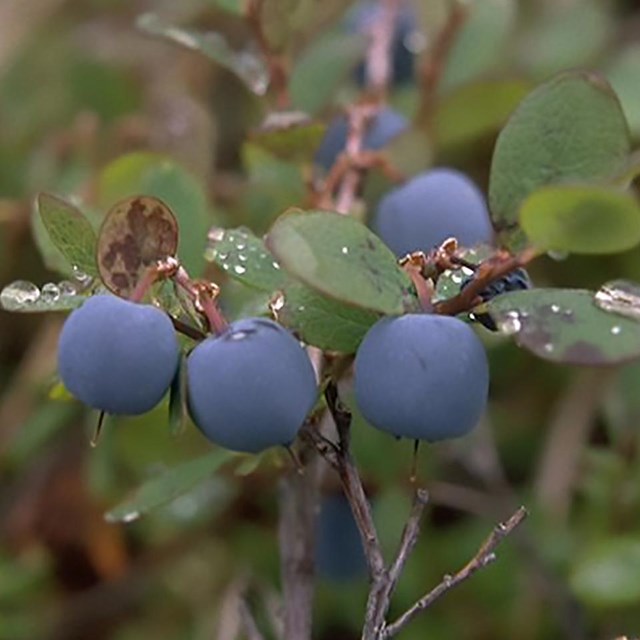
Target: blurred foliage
[[97, 109]]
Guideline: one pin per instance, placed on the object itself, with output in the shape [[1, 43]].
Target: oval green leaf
[[570, 128], [581, 219], [70, 232], [244, 257], [168, 486], [339, 257], [566, 326], [324, 322]]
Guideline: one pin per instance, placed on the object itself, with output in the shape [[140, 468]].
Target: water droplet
[[619, 297], [275, 265], [447, 578], [467, 271], [555, 308], [489, 558], [567, 313], [510, 324], [548, 347], [242, 257], [50, 292], [238, 335], [239, 269], [456, 279], [277, 303], [67, 288], [81, 277], [241, 246], [19, 294], [301, 307], [222, 255], [558, 255], [345, 250], [615, 330], [225, 266], [126, 518], [216, 234]]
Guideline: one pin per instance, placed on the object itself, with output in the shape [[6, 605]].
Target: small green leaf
[[607, 574], [581, 219], [289, 136], [623, 72], [339, 257], [244, 257], [566, 326], [323, 322], [154, 174], [168, 485], [70, 232], [476, 110], [178, 398], [249, 67], [571, 128], [330, 57]]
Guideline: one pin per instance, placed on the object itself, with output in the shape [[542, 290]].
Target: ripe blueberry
[[422, 376], [118, 356], [430, 208], [251, 387]]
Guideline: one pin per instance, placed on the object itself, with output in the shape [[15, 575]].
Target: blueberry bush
[[345, 296]]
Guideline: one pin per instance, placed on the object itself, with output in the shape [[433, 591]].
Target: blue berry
[[430, 208], [422, 376], [118, 356], [339, 553], [251, 387], [384, 127]]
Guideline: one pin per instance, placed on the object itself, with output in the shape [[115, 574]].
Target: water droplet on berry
[[19, 294]]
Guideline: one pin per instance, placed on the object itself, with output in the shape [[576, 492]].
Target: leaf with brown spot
[[135, 234]]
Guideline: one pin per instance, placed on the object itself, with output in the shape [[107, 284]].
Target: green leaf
[[581, 219], [476, 110], [69, 231], [450, 281], [249, 67], [323, 322], [152, 174], [291, 135], [566, 326], [607, 574], [339, 257], [330, 57], [237, 7], [244, 257], [168, 485], [571, 128], [25, 297]]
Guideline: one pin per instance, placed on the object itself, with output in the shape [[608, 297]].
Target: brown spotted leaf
[[135, 234], [566, 326]]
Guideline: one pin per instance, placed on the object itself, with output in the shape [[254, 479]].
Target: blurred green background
[[96, 108]]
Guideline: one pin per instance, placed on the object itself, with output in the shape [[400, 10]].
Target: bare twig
[[248, 621], [278, 73], [378, 64], [298, 500], [484, 557]]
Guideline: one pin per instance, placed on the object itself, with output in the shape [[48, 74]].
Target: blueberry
[[118, 356], [422, 376], [430, 208], [384, 127], [360, 19], [251, 387], [339, 553]]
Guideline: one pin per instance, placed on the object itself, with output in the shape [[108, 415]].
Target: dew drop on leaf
[[19, 294], [50, 292]]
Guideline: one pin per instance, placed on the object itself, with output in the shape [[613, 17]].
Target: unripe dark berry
[[385, 126], [251, 387], [517, 280], [118, 356], [431, 207], [422, 376]]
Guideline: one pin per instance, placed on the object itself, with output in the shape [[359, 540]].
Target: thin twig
[[247, 620], [484, 557]]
